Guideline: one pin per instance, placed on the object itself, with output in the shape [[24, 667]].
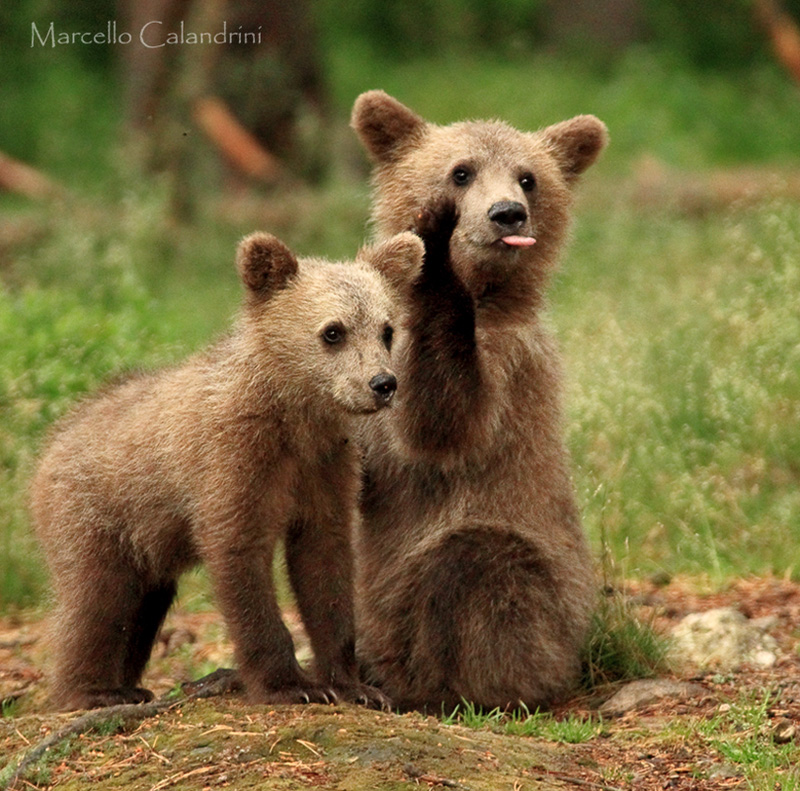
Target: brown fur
[[473, 575], [215, 461]]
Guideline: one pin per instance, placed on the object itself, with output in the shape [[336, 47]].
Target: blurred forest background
[[127, 175]]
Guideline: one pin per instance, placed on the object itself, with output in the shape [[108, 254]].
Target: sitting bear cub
[[214, 461], [473, 576]]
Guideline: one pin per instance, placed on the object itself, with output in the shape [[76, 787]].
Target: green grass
[[681, 337], [741, 734], [572, 729], [620, 646]]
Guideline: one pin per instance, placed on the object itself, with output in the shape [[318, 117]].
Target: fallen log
[[784, 34], [239, 147], [16, 176]]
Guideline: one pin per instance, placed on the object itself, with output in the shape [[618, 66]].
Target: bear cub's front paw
[[435, 224], [100, 698]]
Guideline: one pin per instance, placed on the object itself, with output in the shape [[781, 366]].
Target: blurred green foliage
[[62, 337], [721, 34], [61, 108], [717, 34], [653, 104], [403, 29]]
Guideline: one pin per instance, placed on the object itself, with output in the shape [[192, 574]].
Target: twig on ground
[[125, 713], [168, 781], [417, 774], [577, 781]]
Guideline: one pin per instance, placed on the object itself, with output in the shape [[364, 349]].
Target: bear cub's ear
[[384, 125], [398, 259], [265, 264], [576, 143]]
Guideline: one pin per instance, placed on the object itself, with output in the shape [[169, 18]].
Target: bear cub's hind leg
[[110, 614]]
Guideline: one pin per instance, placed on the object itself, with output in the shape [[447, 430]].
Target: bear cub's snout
[[383, 386], [508, 215]]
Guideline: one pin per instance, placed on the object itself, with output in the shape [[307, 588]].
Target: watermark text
[[151, 35]]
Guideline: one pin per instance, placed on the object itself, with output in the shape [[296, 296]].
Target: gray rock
[[722, 639], [725, 772], [783, 731], [640, 693]]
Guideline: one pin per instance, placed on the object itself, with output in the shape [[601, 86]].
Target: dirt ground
[[221, 742]]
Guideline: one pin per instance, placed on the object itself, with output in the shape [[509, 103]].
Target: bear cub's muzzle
[[383, 386], [509, 217]]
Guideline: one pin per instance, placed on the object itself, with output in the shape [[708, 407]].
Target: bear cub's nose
[[383, 385], [508, 214]]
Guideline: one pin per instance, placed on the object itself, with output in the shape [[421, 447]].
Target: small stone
[[783, 731], [661, 579], [725, 772], [640, 693]]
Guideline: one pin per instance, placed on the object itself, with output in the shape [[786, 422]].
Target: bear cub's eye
[[461, 176], [388, 334], [333, 333], [528, 182]]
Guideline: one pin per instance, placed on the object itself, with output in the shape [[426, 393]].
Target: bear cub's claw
[[360, 694], [224, 681], [365, 695], [305, 694]]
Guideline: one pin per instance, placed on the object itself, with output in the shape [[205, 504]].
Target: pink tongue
[[519, 241]]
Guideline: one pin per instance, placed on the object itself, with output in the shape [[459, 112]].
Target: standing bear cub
[[215, 461], [473, 576]]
